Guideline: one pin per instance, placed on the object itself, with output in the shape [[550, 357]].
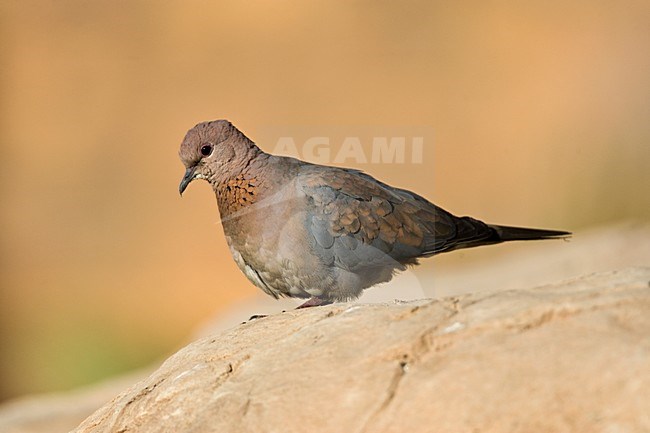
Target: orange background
[[540, 112]]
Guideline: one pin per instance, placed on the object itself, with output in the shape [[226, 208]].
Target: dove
[[322, 233]]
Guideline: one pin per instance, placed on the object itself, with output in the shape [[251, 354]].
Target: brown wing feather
[[350, 208]]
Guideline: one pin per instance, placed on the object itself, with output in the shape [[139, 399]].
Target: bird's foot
[[313, 302]]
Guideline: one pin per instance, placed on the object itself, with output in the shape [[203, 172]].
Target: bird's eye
[[206, 149]]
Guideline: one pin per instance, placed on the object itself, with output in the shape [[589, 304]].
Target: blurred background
[[539, 110]]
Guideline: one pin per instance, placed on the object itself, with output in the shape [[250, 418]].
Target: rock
[[491, 269], [572, 356]]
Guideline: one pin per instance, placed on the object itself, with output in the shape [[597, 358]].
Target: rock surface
[[503, 267], [572, 356]]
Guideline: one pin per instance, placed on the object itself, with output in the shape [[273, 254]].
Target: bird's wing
[[357, 221]]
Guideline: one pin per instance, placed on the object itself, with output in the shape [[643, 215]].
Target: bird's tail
[[506, 233]]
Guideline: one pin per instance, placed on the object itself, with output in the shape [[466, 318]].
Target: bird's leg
[[313, 302]]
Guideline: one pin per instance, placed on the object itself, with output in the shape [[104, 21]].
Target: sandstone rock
[[502, 267], [567, 357]]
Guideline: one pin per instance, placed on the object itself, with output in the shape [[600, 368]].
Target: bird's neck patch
[[236, 193]]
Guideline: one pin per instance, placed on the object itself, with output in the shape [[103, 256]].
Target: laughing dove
[[324, 233]]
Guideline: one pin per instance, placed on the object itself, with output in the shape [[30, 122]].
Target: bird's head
[[214, 151]]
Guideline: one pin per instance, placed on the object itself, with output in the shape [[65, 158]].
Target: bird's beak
[[189, 177]]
